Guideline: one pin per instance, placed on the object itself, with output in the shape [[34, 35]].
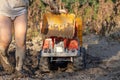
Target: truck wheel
[[83, 55], [44, 65], [80, 62]]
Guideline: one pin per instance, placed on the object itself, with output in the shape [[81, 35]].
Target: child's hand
[[62, 11]]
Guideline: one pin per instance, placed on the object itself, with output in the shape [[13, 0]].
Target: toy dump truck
[[63, 39]]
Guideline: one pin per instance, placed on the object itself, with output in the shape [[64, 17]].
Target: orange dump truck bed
[[62, 25]]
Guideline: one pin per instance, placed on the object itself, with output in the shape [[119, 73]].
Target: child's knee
[[5, 43], [20, 44]]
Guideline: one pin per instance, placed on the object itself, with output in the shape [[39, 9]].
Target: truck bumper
[[60, 54]]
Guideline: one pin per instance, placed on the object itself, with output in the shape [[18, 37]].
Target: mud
[[103, 62]]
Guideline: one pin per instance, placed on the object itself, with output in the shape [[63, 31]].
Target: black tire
[[80, 62], [83, 55], [43, 63]]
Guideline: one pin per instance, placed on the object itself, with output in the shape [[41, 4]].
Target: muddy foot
[[5, 63], [18, 74]]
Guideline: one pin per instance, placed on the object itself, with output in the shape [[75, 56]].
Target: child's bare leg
[[20, 25], [5, 39]]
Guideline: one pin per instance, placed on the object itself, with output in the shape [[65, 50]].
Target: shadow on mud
[[103, 55], [93, 62]]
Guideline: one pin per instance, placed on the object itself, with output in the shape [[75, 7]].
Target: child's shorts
[[13, 8]]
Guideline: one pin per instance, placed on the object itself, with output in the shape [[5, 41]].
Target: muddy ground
[[103, 62]]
